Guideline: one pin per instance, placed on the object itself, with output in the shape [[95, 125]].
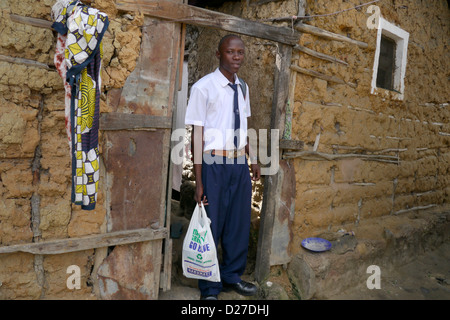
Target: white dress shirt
[[211, 106]]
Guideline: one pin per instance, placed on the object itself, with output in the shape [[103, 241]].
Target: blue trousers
[[228, 188]]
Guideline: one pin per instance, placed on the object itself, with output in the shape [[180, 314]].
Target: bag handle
[[203, 214], [202, 217]]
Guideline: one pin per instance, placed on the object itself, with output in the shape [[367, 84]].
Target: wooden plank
[[180, 67], [306, 28], [184, 13], [280, 253], [166, 272], [273, 182], [88, 242], [124, 121], [318, 55]]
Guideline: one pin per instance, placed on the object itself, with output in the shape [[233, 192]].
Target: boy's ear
[[218, 54]]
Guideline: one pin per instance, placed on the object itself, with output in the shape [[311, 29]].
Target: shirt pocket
[[214, 102]]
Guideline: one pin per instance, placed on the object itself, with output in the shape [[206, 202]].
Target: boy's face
[[231, 55]]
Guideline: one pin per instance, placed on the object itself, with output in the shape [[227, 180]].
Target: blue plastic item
[[316, 244]]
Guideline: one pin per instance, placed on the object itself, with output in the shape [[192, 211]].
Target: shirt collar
[[223, 81]]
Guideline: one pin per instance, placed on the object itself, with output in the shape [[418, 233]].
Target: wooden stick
[[336, 146], [318, 55], [315, 155], [27, 62], [415, 208], [88, 242], [327, 34], [35, 22], [317, 74]]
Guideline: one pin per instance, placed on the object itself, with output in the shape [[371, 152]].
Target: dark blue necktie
[[237, 120]]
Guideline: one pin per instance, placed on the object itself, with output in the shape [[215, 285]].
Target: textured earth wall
[[360, 191], [331, 194], [35, 164]]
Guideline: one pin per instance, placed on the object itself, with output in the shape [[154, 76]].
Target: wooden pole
[[180, 68], [272, 182], [306, 28]]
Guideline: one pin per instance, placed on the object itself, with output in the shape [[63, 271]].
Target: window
[[390, 60], [386, 64]]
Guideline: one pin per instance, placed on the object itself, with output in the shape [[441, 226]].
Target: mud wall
[[351, 193], [358, 192], [35, 164]]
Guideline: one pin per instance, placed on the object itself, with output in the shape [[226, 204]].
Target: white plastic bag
[[199, 257]]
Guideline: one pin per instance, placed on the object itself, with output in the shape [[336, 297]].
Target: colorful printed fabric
[[84, 28]]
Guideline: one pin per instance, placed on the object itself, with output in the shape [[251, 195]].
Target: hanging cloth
[[83, 28]]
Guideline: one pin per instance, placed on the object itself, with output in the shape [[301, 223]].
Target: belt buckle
[[230, 154]]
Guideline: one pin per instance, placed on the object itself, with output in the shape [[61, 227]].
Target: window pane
[[386, 64]]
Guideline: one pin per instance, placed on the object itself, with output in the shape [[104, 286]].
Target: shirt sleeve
[[196, 108]]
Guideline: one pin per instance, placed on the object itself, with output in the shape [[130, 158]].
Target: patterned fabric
[[61, 17], [86, 27], [83, 28]]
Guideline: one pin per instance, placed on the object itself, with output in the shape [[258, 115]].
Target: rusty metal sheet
[[131, 272], [146, 89]]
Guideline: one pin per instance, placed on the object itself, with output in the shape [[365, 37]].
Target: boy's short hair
[[232, 35]]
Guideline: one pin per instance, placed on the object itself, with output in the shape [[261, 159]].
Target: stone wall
[[35, 164]]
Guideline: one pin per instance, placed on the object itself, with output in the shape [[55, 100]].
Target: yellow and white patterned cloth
[[83, 28]]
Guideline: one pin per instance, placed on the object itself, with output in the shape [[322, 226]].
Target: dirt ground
[[426, 278]]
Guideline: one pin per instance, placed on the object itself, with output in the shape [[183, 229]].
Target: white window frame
[[401, 38]]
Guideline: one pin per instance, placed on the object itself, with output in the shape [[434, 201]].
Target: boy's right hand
[[199, 197]]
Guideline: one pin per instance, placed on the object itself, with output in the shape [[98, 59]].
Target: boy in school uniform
[[218, 108]]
